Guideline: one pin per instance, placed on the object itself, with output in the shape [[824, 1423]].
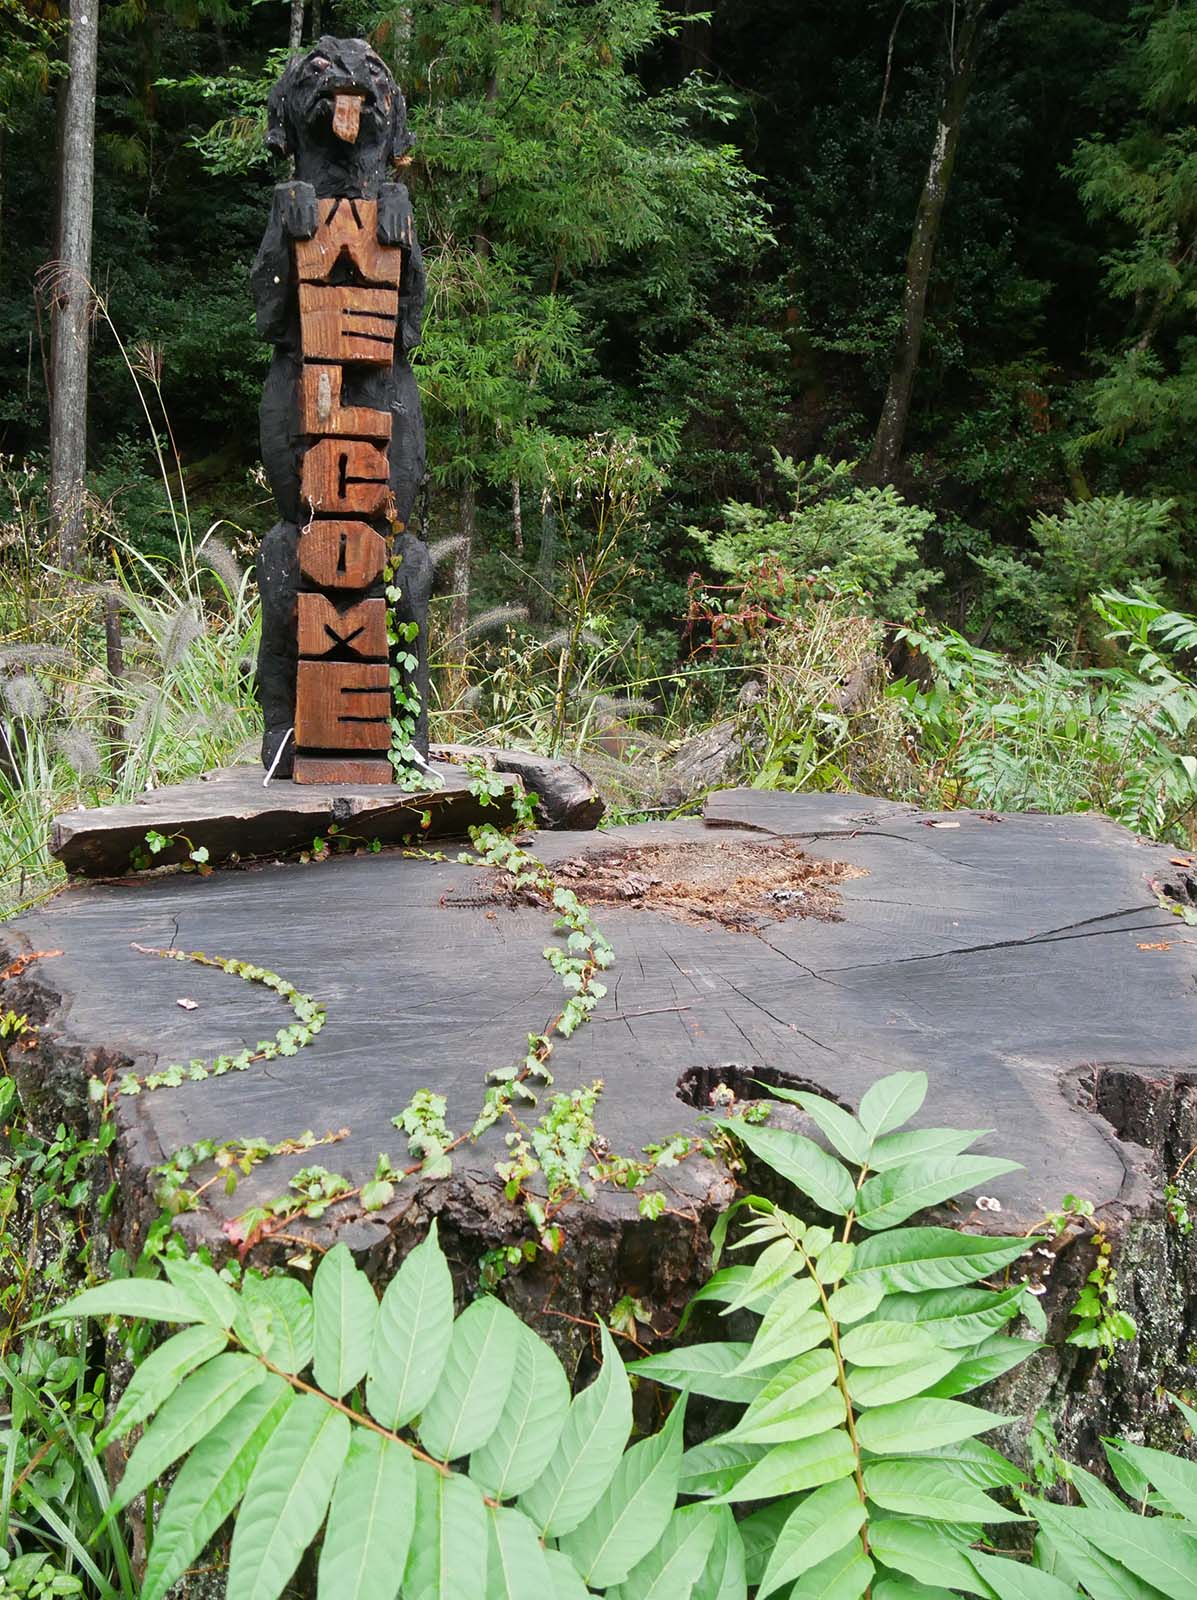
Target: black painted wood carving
[[339, 288]]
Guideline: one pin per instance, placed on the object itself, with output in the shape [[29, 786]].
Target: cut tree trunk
[[70, 299], [296, 35], [963, 42]]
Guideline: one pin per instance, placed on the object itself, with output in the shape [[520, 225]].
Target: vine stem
[[363, 1421]]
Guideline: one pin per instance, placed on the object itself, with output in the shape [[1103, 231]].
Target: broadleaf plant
[[434, 1457], [861, 1472]]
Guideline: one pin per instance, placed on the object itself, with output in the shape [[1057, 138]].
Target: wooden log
[[342, 769], [342, 705], [342, 322], [321, 411], [341, 555], [566, 797], [347, 229], [324, 627], [346, 476]]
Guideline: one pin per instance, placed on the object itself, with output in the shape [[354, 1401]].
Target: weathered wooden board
[[341, 555], [234, 815]]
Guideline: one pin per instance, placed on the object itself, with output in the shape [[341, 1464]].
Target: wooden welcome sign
[[338, 281], [342, 685]]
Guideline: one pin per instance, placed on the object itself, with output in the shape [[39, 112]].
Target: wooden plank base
[[342, 769]]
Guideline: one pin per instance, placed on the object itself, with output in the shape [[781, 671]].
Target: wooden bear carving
[[339, 288]]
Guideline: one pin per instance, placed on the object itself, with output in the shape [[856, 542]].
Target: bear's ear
[[278, 129], [401, 138]]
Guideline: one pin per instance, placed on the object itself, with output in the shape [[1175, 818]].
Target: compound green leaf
[[712, 1370], [1011, 1580], [891, 1197], [588, 1451], [954, 1318], [931, 1490], [469, 1399], [790, 1468], [675, 1564], [854, 1301], [818, 1529], [196, 1407], [840, 1126], [890, 1430], [527, 1432], [633, 1510], [286, 1498], [882, 1386], [782, 1418], [448, 1558], [843, 1576], [411, 1336], [800, 1161], [724, 1576], [148, 1298], [909, 1260], [210, 1484], [214, 1301], [992, 1357], [775, 1265], [758, 1534], [1173, 1478], [905, 1589], [722, 1287], [895, 1149], [370, 1520], [887, 1344], [345, 1309], [516, 1568], [1155, 1549], [980, 1464], [1065, 1555], [280, 1312], [716, 1467], [159, 1375], [791, 1325], [891, 1101], [564, 1583], [925, 1552]]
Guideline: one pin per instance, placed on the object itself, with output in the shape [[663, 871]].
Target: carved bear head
[[340, 113]]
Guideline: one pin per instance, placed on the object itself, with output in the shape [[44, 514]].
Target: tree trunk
[[70, 302], [540, 589], [964, 34], [517, 515], [459, 615], [296, 35]]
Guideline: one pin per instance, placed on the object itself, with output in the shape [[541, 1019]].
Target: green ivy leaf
[[411, 1336], [466, 1404], [344, 1309], [286, 1498], [370, 1521], [211, 1482]]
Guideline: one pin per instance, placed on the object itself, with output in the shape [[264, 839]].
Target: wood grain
[[342, 476], [324, 627], [342, 322], [341, 555], [348, 230], [342, 705], [321, 411], [343, 769]]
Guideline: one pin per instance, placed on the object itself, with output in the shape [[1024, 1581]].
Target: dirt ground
[[734, 883]]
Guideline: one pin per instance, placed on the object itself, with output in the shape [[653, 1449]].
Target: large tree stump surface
[[1024, 962]]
